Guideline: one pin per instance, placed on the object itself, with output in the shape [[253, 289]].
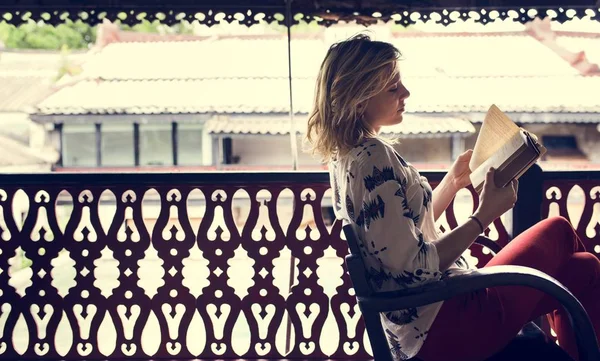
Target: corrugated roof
[[229, 57], [478, 55], [588, 43], [571, 94], [30, 63], [445, 72], [26, 77], [18, 93], [13, 152], [425, 54], [412, 125]]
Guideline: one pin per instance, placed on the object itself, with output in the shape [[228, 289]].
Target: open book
[[501, 144]]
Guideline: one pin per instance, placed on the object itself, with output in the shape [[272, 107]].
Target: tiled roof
[[478, 55], [13, 152], [412, 125], [229, 57], [588, 43], [571, 94], [29, 63], [18, 93], [424, 54], [26, 77], [445, 72]]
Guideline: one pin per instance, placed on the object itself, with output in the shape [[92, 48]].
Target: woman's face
[[386, 108]]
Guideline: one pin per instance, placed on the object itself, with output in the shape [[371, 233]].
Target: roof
[[424, 54], [17, 93], [589, 43], [496, 54], [231, 74], [232, 57], [29, 63], [567, 94], [26, 77], [411, 126], [15, 153]]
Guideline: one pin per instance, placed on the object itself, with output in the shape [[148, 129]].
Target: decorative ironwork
[[203, 266], [135, 15], [449, 16], [149, 266], [323, 12], [578, 201]]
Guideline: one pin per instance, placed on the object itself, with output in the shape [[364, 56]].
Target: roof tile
[[571, 94], [412, 125]]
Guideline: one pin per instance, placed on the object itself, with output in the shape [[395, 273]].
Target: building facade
[[222, 102]]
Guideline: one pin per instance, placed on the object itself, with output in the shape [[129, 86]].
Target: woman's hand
[[495, 201], [459, 172]]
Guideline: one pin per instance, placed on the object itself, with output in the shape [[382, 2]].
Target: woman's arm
[[443, 195], [451, 245], [456, 179], [493, 202]]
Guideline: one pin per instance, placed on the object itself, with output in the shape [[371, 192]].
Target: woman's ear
[[360, 109]]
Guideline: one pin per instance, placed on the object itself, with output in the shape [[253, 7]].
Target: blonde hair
[[352, 72]]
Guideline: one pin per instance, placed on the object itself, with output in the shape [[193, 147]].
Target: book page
[[496, 131], [501, 155]]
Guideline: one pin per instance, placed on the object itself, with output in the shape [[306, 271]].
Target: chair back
[[362, 288], [355, 264]]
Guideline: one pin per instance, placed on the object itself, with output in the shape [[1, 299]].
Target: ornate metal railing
[[214, 265], [325, 12], [575, 196]]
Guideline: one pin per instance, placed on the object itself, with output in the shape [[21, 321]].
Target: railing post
[[528, 210]]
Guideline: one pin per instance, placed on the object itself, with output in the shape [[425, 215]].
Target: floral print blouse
[[390, 204]]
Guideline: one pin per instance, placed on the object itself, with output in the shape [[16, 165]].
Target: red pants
[[477, 325]]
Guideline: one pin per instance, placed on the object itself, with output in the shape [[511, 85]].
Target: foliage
[[72, 35], [66, 66], [32, 35]]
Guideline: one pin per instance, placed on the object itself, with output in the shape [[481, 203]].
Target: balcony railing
[[205, 265]]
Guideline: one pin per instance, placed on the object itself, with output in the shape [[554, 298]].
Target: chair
[[531, 343]]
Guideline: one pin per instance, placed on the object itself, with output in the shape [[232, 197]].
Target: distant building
[[26, 77], [222, 102]]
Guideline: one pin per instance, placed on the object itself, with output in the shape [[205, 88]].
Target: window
[[117, 145], [560, 141], [189, 144], [79, 145], [562, 147], [156, 144]]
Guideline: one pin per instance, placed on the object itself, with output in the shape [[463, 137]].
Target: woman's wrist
[[449, 182], [483, 218], [479, 224]]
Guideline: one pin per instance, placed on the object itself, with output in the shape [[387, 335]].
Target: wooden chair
[[531, 343]]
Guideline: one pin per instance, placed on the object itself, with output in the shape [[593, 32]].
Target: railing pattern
[[221, 265], [324, 12], [575, 196]]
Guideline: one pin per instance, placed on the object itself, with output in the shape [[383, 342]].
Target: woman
[[393, 208]]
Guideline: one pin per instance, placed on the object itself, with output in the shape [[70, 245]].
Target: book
[[502, 144]]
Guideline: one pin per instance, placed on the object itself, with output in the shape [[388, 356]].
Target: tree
[[73, 35], [32, 35]]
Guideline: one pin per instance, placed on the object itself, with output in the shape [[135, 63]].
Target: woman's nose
[[404, 93]]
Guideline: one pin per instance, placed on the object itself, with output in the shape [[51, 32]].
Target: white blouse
[[389, 203]]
